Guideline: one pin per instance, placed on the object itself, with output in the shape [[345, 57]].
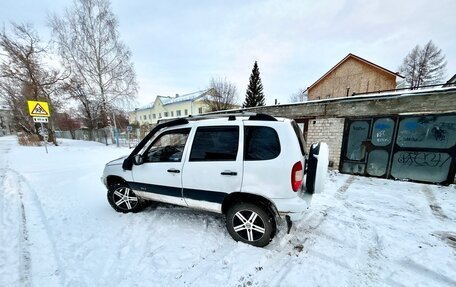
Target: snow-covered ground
[[57, 229]]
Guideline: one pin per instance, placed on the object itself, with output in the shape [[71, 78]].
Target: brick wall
[[330, 131]]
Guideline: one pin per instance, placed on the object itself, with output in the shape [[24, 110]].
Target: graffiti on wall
[[429, 159]]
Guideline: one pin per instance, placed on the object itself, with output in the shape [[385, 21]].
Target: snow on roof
[[177, 99], [183, 98]]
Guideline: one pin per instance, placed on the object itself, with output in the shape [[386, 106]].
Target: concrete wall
[[330, 131], [325, 118], [354, 74]]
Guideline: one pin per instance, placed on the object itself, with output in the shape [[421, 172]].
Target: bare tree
[[25, 76], [88, 107], [299, 96], [424, 66], [68, 122], [103, 77], [222, 95]]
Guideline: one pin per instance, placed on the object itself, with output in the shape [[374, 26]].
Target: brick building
[[352, 75]]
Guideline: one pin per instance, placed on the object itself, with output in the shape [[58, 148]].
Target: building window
[[165, 114], [159, 115], [172, 113], [154, 116], [178, 113], [144, 117], [200, 110], [185, 112], [149, 117]]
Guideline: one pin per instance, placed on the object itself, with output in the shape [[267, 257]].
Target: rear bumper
[[295, 207]]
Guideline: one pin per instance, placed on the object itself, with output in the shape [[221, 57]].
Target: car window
[[168, 147], [215, 144], [260, 143]]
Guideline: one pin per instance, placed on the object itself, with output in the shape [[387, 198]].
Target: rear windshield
[[300, 136]]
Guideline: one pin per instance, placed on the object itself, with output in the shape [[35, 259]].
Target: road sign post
[[45, 137], [40, 113]]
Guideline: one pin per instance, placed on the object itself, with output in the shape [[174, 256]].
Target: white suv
[[249, 167]]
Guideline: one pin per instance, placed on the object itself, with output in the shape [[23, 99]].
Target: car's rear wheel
[[250, 224], [123, 199]]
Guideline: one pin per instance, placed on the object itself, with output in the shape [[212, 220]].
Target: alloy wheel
[[124, 198], [248, 225]]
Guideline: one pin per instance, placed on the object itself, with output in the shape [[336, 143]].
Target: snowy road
[[57, 229]]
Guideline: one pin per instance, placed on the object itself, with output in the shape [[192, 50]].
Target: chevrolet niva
[[249, 167]]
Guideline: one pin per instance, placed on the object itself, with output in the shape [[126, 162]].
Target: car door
[[159, 177], [213, 167]]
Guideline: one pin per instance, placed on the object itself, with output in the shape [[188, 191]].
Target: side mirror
[[138, 159]]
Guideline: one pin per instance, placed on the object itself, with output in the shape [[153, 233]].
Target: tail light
[[297, 174]]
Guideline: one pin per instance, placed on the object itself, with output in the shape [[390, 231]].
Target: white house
[[178, 106]]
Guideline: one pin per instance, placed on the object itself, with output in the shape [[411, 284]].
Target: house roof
[[451, 81], [177, 99], [350, 55]]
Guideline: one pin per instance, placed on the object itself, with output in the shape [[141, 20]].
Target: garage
[[414, 147]]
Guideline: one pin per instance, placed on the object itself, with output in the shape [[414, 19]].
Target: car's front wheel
[[250, 224], [123, 199]]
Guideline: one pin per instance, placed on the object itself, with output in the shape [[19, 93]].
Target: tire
[[250, 224], [122, 198]]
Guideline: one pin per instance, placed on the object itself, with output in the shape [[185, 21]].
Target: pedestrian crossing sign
[[38, 109]]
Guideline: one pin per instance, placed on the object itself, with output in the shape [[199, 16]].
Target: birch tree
[[88, 41]]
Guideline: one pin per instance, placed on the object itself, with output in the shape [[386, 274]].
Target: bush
[[28, 139]]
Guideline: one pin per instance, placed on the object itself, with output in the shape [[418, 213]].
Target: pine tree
[[254, 96]]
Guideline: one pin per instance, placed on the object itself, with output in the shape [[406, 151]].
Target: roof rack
[[230, 116]]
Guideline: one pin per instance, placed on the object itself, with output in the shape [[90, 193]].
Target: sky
[[178, 46]]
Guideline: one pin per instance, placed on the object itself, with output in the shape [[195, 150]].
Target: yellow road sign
[[38, 109]]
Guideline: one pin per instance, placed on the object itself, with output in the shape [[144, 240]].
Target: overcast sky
[[178, 46]]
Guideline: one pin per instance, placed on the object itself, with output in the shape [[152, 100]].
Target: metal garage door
[[419, 148]]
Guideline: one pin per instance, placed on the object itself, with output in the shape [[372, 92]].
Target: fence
[[105, 136]]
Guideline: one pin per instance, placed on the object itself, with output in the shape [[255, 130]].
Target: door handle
[[228, 173], [173, 170]]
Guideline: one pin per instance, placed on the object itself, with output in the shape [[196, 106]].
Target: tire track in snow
[[370, 261], [35, 226], [310, 226], [423, 270], [25, 276], [433, 204], [202, 267], [11, 222]]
